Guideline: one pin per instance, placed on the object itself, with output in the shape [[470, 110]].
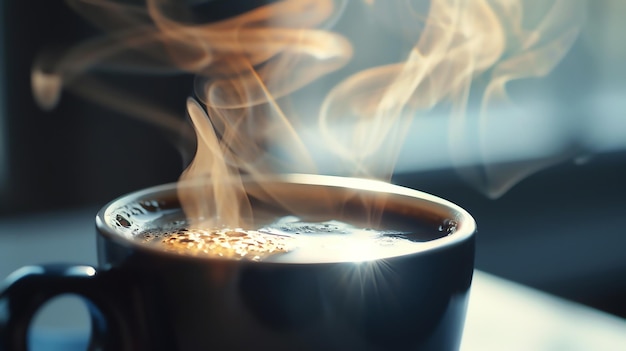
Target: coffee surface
[[278, 238], [288, 239]]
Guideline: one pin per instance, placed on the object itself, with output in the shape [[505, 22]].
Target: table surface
[[502, 315]]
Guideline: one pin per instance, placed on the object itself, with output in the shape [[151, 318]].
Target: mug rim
[[465, 230]]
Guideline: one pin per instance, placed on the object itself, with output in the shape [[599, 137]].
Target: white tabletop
[[502, 315]]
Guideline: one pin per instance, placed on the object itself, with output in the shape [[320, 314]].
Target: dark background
[[560, 230], [79, 152]]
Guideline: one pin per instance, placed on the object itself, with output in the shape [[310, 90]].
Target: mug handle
[[29, 287]]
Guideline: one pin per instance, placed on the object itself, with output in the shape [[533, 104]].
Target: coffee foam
[[224, 243]]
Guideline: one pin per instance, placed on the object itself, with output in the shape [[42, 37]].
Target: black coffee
[[280, 238]]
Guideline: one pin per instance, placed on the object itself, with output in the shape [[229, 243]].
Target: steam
[[249, 69], [533, 48]]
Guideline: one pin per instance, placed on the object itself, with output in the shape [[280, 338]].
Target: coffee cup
[[403, 285]]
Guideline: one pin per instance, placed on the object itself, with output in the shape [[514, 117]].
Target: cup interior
[[432, 221]]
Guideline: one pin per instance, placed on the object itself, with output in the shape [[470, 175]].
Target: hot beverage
[[276, 238], [289, 239]]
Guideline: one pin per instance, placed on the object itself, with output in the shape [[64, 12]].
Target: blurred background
[[560, 230]]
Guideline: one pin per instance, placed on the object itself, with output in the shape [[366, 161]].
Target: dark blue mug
[[141, 297]]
